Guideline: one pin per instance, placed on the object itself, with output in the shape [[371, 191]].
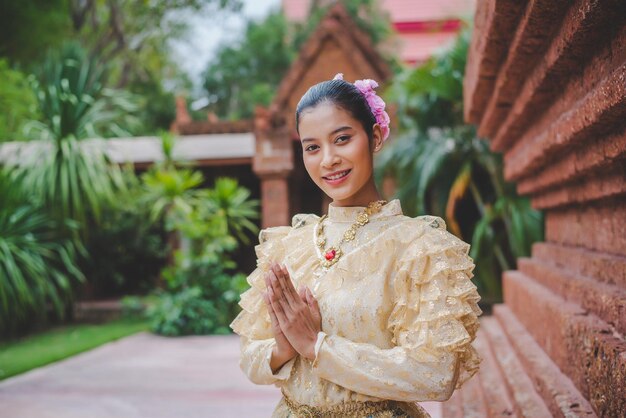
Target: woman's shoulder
[[425, 222], [411, 228], [425, 233], [298, 221]]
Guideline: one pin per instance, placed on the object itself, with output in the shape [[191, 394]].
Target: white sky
[[209, 32]]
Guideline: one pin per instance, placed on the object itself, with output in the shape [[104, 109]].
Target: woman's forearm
[[278, 360]]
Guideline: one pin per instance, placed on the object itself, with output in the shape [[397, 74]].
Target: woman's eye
[[310, 148], [343, 138]]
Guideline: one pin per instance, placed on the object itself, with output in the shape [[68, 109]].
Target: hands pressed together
[[295, 316]]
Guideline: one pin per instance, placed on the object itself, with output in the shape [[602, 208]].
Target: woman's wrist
[[310, 350], [279, 359]]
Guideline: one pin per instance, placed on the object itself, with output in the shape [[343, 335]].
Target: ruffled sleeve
[[253, 322], [436, 303], [432, 323]]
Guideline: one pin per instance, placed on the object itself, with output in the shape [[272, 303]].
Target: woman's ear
[[377, 135]]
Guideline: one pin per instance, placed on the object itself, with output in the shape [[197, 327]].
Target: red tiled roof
[[338, 25]]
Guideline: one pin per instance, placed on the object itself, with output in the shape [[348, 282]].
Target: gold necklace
[[332, 254]]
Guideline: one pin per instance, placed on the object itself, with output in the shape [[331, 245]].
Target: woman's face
[[336, 152]]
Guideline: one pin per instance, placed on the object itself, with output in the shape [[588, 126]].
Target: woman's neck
[[363, 197]]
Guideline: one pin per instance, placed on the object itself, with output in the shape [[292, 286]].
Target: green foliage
[[75, 102], [232, 203], [135, 38], [37, 266], [127, 250], [245, 74], [158, 105], [432, 94], [131, 38], [64, 174], [367, 14], [18, 103], [30, 27], [196, 311], [201, 294], [442, 168]]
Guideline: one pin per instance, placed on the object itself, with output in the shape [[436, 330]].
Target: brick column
[[274, 201], [273, 163]]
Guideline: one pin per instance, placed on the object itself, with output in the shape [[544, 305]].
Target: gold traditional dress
[[399, 313]]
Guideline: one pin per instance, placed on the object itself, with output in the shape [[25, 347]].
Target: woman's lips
[[339, 180]]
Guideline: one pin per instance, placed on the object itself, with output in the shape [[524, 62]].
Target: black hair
[[342, 94]]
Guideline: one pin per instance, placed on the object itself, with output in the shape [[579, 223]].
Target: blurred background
[[140, 142]]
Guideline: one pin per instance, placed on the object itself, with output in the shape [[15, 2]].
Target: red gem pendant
[[330, 255]]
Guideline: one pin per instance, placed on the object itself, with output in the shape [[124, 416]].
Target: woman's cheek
[[312, 167]]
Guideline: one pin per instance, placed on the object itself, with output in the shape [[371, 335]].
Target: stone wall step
[[607, 301], [557, 391], [583, 347], [501, 388]]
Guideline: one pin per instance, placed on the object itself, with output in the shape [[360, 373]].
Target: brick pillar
[[273, 163], [274, 201], [545, 82]]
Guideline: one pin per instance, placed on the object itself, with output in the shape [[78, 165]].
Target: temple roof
[[337, 45]]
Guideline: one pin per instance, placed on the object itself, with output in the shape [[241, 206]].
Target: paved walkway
[[145, 376]]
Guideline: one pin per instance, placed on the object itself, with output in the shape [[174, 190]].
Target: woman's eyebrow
[[342, 128]]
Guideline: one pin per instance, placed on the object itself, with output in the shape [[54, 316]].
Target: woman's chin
[[338, 195]]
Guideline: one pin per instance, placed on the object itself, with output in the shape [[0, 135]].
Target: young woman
[[364, 311]]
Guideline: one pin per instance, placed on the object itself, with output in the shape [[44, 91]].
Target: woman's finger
[[271, 284], [280, 314], [285, 283], [302, 293], [270, 310], [313, 306], [280, 291], [288, 282], [274, 285]]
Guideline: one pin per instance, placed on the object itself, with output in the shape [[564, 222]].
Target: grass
[[49, 346]]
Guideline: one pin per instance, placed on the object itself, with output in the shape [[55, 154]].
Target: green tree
[[129, 37], [247, 73], [29, 28], [367, 14], [18, 103], [74, 180]]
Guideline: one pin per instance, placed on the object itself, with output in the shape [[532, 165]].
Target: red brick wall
[[546, 83]]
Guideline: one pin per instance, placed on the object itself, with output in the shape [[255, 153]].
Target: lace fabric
[[399, 311]]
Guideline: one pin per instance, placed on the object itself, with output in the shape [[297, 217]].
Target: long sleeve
[[433, 321], [255, 361], [253, 322]]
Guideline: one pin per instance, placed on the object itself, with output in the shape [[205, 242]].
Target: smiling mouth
[[338, 176]]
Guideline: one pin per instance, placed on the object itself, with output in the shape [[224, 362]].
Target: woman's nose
[[330, 158]]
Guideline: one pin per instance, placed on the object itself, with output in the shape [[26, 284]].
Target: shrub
[[37, 266]]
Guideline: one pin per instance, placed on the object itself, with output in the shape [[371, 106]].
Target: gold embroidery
[[345, 409], [332, 254]]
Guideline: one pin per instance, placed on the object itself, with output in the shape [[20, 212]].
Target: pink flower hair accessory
[[376, 104]]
